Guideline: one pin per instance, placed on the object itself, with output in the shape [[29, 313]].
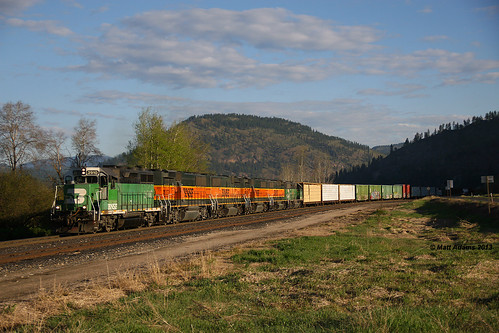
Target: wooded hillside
[[274, 148], [461, 152]]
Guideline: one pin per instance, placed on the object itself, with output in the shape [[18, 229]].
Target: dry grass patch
[[63, 299]]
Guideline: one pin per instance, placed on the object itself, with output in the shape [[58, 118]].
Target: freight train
[[110, 197]]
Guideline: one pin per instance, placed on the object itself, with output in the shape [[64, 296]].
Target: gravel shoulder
[[24, 283]]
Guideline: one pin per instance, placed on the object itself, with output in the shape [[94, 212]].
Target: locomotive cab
[[83, 197]]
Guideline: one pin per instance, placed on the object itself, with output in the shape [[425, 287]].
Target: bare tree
[[288, 172], [321, 167], [84, 142], [20, 137], [301, 159], [56, 157]]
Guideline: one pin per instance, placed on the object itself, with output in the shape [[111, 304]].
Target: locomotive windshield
[[89, 176], [86, 179]]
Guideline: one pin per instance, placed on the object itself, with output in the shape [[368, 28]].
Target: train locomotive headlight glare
[[84, 207], [57, 207]]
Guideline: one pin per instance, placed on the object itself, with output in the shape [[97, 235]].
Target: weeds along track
[[21, 250]]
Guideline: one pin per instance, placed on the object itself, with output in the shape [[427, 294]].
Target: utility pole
[[488, 180]]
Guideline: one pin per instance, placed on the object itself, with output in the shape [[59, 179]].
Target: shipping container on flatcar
[[347, 192], [330, 193], [312, 193], [415, 191], [362, 192], [387, 192], [374, 192], [398, 191]]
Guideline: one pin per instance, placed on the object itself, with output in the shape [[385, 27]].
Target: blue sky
[[374, 72]]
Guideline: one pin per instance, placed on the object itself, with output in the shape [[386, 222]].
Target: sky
[[374, 72]]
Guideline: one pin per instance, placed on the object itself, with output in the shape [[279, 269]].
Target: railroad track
[[29, 249]]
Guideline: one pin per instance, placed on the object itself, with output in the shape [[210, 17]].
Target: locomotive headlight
[[57, 207], [84, 207]]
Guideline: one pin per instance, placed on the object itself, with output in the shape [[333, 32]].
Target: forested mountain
[[461, 152], [274, 148]]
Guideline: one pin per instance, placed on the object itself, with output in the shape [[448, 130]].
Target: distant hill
[[274, 148], [461, 152]]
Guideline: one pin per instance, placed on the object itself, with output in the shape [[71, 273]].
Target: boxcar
[[407, 191], [398, 191], [312, 193], [347, 192], [425, 191], [362, 192], [387, 192], [374, 192], [330, 193]]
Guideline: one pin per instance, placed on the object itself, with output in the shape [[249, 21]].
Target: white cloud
[[488, 78], [59, 112], [73, 3], [442, 61], [351, 119], [211, 48], [12, 7], [47, 26], [436, 38], [406, 90], [265, 28], [490, 10], [113, 96]]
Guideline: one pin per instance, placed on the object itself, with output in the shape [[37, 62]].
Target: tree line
[[454, 126], [155, 145], [22, 140]]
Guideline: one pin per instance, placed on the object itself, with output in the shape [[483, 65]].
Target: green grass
[[379, 275]]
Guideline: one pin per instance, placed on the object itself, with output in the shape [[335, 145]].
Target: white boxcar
[[347, 192], [330, 193], [312, 193]]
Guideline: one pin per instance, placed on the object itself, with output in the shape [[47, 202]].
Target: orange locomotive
[[186, 196]]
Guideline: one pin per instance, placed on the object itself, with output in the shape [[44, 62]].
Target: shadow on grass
[[447, 213]]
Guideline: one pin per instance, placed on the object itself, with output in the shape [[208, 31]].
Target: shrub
[[24, 205]]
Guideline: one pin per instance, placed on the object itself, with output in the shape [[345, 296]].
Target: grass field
[[423, 266]]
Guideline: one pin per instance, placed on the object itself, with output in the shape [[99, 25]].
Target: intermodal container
[[374, 192], [347, 192], [330, 192], [312, 193], [398, 191], [362, 192]]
